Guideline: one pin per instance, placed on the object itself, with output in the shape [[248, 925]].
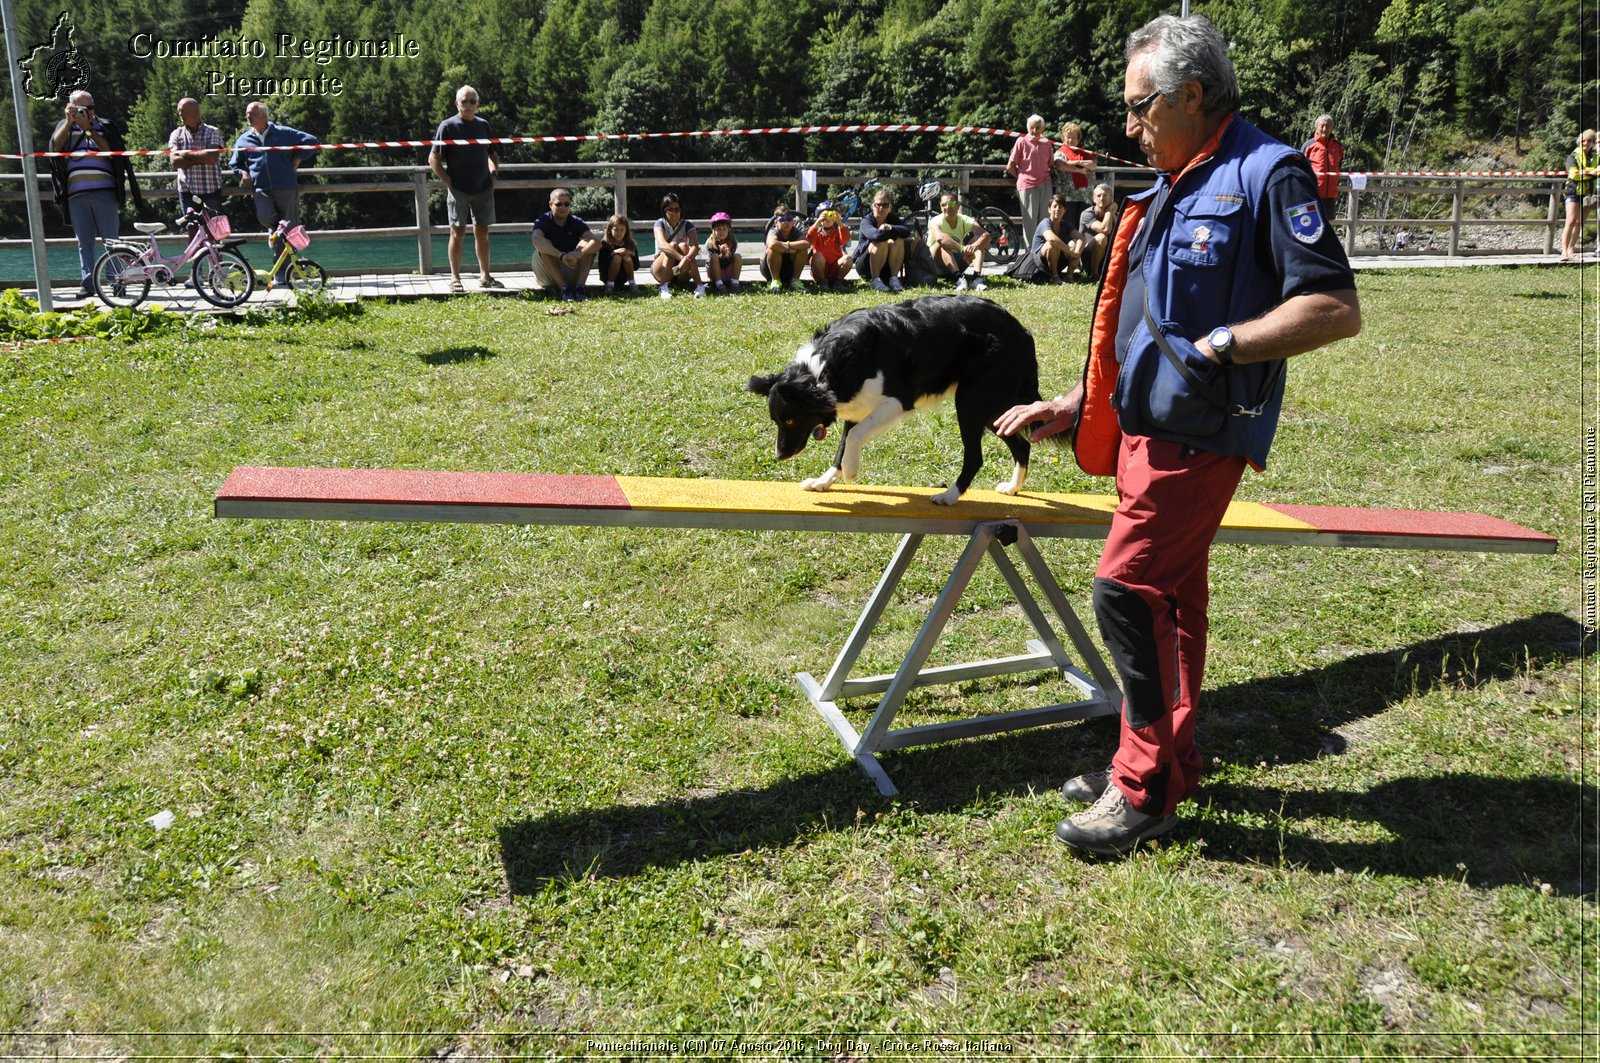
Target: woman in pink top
[[1030, 162]]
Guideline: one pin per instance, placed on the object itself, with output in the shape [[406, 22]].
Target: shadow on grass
[[1502, 830], [453, 355], [1485, 831]]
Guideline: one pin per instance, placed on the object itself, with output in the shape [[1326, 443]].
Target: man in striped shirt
[[196, 149], [91, 181]]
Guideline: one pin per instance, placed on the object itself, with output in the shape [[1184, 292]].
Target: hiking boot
[[1111, 826], [1087, 787], [878, 285], [895, 285]]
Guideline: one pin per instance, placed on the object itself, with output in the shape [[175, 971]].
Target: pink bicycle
[[223, 277]]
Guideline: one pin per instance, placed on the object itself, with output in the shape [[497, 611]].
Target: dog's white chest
[[861, 405]]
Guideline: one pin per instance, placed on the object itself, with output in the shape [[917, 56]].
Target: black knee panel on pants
[[1128, 630]]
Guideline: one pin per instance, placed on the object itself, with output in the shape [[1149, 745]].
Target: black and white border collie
[[875, 366]]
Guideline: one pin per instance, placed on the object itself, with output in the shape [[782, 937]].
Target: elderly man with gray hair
[[1214, 278], [468, 171], [269, 173]]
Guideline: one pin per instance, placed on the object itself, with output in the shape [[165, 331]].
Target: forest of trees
[[1410, 83]]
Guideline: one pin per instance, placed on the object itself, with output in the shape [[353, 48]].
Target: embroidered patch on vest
[[1202, 237], [1305, 221]]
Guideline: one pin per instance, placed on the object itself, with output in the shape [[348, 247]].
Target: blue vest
[[1200, 271]]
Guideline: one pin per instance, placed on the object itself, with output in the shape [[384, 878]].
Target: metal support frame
[[1101, 696]]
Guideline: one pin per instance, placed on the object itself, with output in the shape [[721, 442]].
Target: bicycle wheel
[[306, 276], [119, 278], [226, 280], [1005, 237]]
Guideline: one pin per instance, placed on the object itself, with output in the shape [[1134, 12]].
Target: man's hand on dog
[[1051, 416]]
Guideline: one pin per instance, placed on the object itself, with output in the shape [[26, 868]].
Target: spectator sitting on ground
[[1094, 228], [564, 248], [723, 261], [467, 172], [677, 245], [619, 256], [1070, 158], [1030, 163], [881, 252], [787, 249], [1054, 241], [958, 244], [829, 238]]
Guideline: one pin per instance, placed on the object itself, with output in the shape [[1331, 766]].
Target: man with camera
[[88, 188]]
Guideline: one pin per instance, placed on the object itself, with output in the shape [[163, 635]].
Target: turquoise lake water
[[367, 254]]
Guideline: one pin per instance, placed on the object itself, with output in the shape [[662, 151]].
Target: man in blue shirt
[[270, 176], [564, 248]]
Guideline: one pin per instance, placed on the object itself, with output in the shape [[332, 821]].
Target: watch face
[[1221, 338]]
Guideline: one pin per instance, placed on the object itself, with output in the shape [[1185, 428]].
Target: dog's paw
[[1009, 487], [948, 497], [850, 471], [820, 483]]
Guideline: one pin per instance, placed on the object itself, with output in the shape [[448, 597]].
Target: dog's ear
[[761, 385]]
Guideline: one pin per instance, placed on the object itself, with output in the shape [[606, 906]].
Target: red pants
[[1150, 597]]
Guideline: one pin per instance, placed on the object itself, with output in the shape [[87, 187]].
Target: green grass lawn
[[464, 790]]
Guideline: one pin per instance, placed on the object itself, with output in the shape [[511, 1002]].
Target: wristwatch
[[1221, 341]]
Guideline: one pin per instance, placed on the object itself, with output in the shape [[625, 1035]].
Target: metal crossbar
[[1100, 694]]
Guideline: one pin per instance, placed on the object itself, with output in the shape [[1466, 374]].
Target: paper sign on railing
[[1358, 181], [808, 180]]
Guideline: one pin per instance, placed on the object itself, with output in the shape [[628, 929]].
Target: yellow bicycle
[[301, 274]]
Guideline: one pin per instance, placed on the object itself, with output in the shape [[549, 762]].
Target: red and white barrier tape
[[853, 127], [862, 127]]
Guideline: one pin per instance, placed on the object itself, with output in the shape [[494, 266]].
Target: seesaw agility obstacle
[[992, 523]]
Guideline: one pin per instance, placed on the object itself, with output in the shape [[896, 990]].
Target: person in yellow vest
[[1579, 192]]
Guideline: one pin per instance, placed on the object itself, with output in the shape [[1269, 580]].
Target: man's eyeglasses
[[562, 203], [1142, 107], [473, 100]]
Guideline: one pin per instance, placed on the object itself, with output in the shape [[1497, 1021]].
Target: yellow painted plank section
[[868, 500], [1256, 517], [857, 500]]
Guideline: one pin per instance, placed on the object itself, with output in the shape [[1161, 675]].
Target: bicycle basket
[[219, 226], [297, 238]]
